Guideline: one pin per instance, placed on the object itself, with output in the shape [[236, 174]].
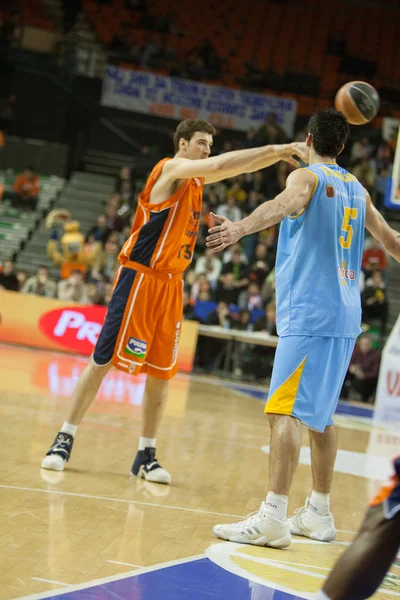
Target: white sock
[[319, 503], [147, 443], [277, 505], [68, 428], [321, 596]]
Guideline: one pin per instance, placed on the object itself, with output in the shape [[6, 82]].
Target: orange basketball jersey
[[163, 235]]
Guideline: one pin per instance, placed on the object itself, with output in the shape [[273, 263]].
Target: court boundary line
[[120, 500], [112, 578]]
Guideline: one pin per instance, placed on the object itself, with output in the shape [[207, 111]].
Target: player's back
[[319, 258], [163, 236]]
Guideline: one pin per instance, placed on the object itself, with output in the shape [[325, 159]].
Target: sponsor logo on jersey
[[346, 273], [330, 192], [136, 348]]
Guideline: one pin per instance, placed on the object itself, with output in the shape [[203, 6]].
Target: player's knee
[[98, 371]]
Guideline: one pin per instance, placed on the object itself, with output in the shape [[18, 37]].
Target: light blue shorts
[[307, 378]]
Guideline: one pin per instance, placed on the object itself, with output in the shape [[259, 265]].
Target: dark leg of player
[[361, 569]]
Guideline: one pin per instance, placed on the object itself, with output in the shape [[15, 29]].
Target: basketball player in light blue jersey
[[323, 212]]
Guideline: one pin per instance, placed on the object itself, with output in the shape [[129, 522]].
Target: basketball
[[359, 101]]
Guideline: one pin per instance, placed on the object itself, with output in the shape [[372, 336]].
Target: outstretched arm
[[299, 190], [378, 227], [234, 163]]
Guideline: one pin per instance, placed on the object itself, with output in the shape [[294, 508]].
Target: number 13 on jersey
[[345, 240]]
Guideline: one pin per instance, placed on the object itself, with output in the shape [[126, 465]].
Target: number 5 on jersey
[[345, 240]]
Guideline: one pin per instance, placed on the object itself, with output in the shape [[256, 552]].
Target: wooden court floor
[[94, 520]]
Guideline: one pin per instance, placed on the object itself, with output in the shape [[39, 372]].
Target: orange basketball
[[359, 101]]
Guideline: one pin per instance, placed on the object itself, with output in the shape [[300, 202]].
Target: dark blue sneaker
[[147, 467], [59, 453]]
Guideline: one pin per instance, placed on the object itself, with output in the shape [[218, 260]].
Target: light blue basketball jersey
[[319, 259]]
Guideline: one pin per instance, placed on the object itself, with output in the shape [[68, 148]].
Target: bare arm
[[299, 190], [378, 227], [234, 163]]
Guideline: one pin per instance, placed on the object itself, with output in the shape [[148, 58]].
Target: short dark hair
[[186, 129], [330, 131]]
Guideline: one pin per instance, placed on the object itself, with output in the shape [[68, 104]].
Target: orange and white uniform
[[143, 322]]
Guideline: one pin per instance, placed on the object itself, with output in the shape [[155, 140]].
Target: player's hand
[[223, 235], [299, 149]]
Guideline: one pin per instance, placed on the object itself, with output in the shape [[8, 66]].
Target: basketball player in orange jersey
[[143, 323]]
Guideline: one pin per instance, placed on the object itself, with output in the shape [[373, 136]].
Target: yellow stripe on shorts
[[283, 399]]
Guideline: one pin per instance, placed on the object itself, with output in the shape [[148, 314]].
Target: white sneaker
[[317, 527], [146, 466], [59, 453], [259, 529]]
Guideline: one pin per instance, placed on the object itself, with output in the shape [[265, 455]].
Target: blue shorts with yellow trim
[[307, 378]]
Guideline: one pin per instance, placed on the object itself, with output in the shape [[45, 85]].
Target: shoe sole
[[283, 542], [141, 474], [327, 536], [50, 463]]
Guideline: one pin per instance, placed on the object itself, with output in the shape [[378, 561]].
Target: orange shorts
[[389, 494], [143, 322]]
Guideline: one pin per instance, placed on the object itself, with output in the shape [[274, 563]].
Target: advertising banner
[[68, 327], [180, 99]]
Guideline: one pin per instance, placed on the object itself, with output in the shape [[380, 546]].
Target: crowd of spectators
[[237, 288]]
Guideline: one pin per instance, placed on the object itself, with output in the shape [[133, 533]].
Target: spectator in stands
[[237, 190], [188, 310], [230, 210], [22, 277], [93, 293], [384, 156], [234, 278], [73, 289], [259, 183], [121, 42], [200, 284], [227, 256], [7, 113], [374, 301], [220, 316], [267, 322], [26, 190], [113, 220], [124, 176], [204, 295], [250, 299], [251, 138], [8, 279], [209, 355], [271, 132], [374, 258], [100, 231], [361, 149], [260, 267], [365, 174], [213, 199], [107, 262], [210, 265], [363, 372], [40, 284], [268, 288]]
